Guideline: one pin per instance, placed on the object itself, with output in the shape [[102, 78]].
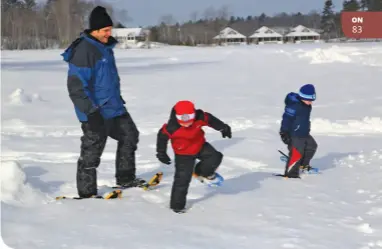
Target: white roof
[[132, 32], [229, 33], [302, 31], [265, 32]]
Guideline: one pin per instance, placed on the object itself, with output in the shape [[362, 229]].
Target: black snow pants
[[122, 129], [210, 159], [301, 151]]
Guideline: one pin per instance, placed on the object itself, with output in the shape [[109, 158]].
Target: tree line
[[54, 24], [202, 27]]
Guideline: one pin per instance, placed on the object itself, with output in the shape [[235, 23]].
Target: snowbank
[[340, 208], [359, 55], [328, 55], [139, 45], [19, 97], [152, 45], [371, 160], [14, 186], [368, 125]]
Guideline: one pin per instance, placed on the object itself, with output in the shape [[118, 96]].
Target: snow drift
[[15, 189], [19, 97], [368, 125], [342, 54], [340, 208]]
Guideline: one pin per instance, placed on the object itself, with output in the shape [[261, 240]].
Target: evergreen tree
[[375, 5], [30, 4], [351, 5], [298, 18], [262, 19], [364, 4], [154, 33], [9, 4], [327, 19], [232, 20]]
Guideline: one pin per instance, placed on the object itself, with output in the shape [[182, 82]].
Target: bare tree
[[165, 32], [194, 16], [209, 14], [122, 16], [26, 24], [189, 29]]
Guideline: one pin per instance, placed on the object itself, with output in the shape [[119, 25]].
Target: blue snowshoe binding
[[215, 180]]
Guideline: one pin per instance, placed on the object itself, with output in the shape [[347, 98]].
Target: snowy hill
[[244, 86]]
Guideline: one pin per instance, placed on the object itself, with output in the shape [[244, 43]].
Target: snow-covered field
[[245, 86]]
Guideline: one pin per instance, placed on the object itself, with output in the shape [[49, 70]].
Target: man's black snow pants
[[122, 129], [301, 151], [210, 159]]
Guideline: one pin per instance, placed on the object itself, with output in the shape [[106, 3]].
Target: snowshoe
[[118, 189], [213, 181], [309, 170], [141, 183], [109, 195], [137, 182], [303, 169]]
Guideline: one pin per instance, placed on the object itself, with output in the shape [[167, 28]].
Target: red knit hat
[[185, 111]]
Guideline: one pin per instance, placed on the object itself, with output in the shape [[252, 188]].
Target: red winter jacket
[[186, 140]]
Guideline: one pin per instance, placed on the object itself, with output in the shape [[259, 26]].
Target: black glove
[[96, 121], [226, 131], [163, 158], [285, 137]]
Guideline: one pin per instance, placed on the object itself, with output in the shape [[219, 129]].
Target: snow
[[15, 188], [229, 33], [265, 32], [125, 32], [19, 97], [244, 86], [302, 31]]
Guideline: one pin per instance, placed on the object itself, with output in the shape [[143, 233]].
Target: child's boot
[[214, 180]]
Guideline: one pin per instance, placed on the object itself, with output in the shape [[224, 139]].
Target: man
[[295, 130], [94, 88], [185, 131]]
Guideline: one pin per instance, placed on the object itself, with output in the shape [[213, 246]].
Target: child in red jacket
[[184, 129]]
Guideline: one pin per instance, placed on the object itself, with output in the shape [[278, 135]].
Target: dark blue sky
[[148, 12]]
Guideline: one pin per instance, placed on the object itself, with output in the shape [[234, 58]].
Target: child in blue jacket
[[295, 130]]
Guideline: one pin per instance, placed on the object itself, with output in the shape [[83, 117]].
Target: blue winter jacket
[[93, 82], [296, 116]]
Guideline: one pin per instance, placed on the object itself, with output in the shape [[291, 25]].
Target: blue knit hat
[[307, 92]]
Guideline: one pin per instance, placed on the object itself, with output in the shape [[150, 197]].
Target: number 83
[[357, 29]]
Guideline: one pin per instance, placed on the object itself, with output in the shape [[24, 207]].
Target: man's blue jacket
[[93, 81]]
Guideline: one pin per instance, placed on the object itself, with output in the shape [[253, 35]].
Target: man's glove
[[163, 158], [285, 137], [96, 121], [226, 131]]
